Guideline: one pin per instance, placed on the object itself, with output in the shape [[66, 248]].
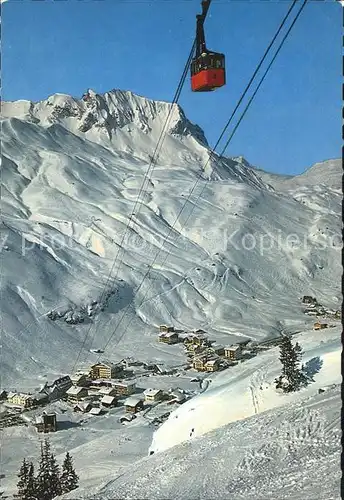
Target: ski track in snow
[[74, 182], [285, 453]]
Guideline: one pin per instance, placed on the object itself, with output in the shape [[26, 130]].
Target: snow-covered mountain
[[326, 173], [117, 118], [235, 261]]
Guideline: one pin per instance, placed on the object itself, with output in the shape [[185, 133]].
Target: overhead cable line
[[264, 76], [248, 104], [284, 20], [211, 153], [146, 179]]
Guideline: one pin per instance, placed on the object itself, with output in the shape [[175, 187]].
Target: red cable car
[[208, 67]]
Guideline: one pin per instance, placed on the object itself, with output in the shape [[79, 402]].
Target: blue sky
[[68, 46]]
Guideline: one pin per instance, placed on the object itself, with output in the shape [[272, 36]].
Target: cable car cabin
[[208, 72], [207, 67]]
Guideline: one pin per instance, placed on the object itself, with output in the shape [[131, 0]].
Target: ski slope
[[227, 262], [292, 452], [247, 442], [234, 262], [278, 446], [247, 389]]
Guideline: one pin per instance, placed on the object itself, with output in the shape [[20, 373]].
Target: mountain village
[[170, 313], [108, 385]]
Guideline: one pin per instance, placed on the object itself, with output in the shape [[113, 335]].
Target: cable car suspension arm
[[200, 37]]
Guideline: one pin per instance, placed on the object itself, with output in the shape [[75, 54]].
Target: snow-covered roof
[[39, 419], [20, 394], [26, 396], [108, 364], [61, 380], [127, 418], [195, 335], [163, 368], [95, 411], [106, 390], [48, 390], [232, 348], [82, 405], [27, 417], [101, 381], [167, 334], [151, 392], [184, 335], [125, 384], [73, 391], [200, 358], [178, 395], [108, 400], [132, 401], [212, 362]]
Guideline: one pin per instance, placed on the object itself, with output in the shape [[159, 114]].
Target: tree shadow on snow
[[63, 425], [312, 367]]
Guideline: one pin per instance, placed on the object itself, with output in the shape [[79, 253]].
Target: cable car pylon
[[207, 68]]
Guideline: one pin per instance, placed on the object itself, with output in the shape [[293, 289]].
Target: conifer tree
[[48, 481], [22, 484], [31, 483], [55, 484], [43, 476], [292, 376], [69, 478], [26, 484]]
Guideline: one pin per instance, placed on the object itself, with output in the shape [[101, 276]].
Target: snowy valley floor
[[247, 442]]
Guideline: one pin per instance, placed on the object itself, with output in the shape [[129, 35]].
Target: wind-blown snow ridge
[[72, 171]]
